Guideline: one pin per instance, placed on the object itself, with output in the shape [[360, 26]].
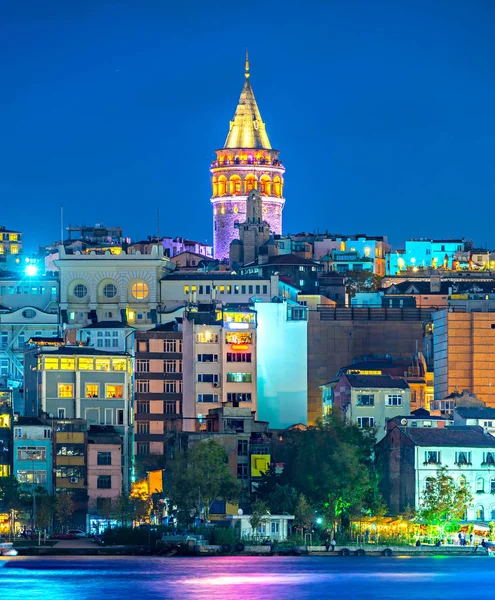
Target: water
[[246, 578]]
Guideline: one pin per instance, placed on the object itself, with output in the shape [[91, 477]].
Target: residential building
[[10, 248], [219, 358], [33, 453], [339, 336], [70, 467], [371, 400], [107, 287], [182, 288], [189, 260], [407, 457], [6, 433], [247, 161], [464, 353], [424, 253], [110, 336], [104, 465], [274, 528], [480, 416], [158, 388], [178, 245], [299, 272], [419, 418], [98, 234], [75, 382], [361, 246]]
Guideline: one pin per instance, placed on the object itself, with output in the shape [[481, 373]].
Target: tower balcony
[[226, 199], [249, 163]]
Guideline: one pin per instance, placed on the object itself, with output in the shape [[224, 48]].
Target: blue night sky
[[383, 112]]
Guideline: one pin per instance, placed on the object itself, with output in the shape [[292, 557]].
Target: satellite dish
[[51, 415], [240, 512], [403, 422]]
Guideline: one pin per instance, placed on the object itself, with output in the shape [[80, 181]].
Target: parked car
[[78, 533]]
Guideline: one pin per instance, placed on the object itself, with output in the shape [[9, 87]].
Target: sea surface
[[246, 578]]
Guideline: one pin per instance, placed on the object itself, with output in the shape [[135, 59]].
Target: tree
[[45, 508], [443, 502], [196, 478], [331, 465], [9, 494], [304, 515], [148, 462], [123, 509], [260, 514], [140, 499], [64, 508], [362, 281], [282, 499]]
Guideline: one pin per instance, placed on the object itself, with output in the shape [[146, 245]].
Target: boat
[[7, 549]]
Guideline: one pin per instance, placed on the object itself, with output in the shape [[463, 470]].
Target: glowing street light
[[31, 270]]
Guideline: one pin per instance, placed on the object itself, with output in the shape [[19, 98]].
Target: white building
[[274, 527], [111, 287]]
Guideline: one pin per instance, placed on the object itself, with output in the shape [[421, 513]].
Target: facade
[[371, 400], [247, 161], [110, 336], [408, 456], [6, 424], [179, 289], [70, 440], [158, 388], [274, 528], [74, 382], [10, 249], [107, 287], [175, 246], [464, 353], [253, 233], [282, 355], [358, 247], [423, 253], [479, 416], [104, 464], [33, 453], [219, 359], [299, 272]]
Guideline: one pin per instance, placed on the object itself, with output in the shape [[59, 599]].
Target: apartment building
[[5, 433], [158, 387], [33, 453], [219, 360]]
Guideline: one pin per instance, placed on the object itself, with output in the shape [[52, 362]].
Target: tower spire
[[246, 72]]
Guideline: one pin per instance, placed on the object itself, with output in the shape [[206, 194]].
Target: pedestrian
[[332, 543], [418, 543], [367, 536]]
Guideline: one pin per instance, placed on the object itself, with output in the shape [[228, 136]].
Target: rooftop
[[453, 437], [210, 276], [284, 259], [376, 381], [108, 325], [80, 350], [475, 412], [103, 435]]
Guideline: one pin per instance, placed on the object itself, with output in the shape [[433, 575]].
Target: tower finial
[[247, 66]]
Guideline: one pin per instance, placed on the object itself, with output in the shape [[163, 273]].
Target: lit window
[[239, 377], [119, 364], [1, 249], [110, 290], [92, 390], [51, 363], [67, 364], [85, 364], [139, 290], [14, 249], [114, 391], [13, 237], [65, 390], [103, 364]]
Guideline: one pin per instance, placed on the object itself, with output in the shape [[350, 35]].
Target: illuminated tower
[[246, 161]]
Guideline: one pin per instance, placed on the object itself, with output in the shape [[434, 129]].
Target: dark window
[[104, 482], [239, 397], [250, 288], [258, 289], [239, 357], [104, 458], [265, 289], [242, 471], [143, 406], [208, 289], [143, 448], [366, 400], [120, 417], [242, 447]]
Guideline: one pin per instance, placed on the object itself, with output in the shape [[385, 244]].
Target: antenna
[[158, 223], [62, 225]]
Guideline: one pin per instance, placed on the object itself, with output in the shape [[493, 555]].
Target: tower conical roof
[[247, 129]]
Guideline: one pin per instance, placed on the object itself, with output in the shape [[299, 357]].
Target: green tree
[[9, 494], [282, 499], [197, 477], [331, 464], [304, 514], [362, 281], [260, 514], [124, 509], [443, 501], [64, 508], [45, 508]]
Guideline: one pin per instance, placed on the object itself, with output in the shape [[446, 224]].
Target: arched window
[[249, 183], [277, 186], [80, 291], [480, 485], [222, 185], [110, 290], [265, 185], [462, 481], [236, 209], [480, 513], [140, 290], [250, 159], [492, 512], [237, 160], [492, 485], [215, 186], [235, 185]]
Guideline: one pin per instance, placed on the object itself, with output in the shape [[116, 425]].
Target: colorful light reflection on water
[[249, 578]]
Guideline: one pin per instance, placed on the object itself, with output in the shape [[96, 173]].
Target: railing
[[328, 313]]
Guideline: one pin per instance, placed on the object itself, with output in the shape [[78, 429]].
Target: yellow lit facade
[[246, 162]]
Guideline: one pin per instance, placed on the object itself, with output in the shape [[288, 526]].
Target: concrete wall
[[94, 470], [333, 344]]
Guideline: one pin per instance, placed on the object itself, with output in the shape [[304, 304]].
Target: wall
[[332, 344], [282, 367], [94, 469]]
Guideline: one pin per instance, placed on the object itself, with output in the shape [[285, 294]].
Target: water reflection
[[249, 578]]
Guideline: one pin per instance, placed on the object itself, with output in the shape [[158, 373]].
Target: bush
[[225, 535]]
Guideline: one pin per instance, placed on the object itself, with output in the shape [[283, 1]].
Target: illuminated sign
[[260, 463], [240, 347], [238, 325]]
